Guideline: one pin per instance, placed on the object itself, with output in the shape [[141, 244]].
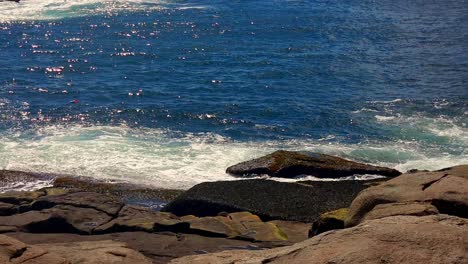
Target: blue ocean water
[[170, 93]]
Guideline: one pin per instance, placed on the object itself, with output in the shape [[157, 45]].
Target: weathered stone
[[7, 209], [55, 191], [289, 164], [61, 218], [294, 231], [261, 231], [408, 208], [14, 251], [19, 198], [159, 247], [93, 252], [446, 189], [105, 203], [96, 252], [133, 218], [270, 200], [130, 193], [396, 239], [5, 229], [213, 226], [329, 221]]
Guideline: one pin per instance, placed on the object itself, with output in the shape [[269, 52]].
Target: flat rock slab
[[398, 239], [446, 190], [134, 218], [60, 218], [93, 252], [271, 200], [290, 164], [108, 204], [159, 247]]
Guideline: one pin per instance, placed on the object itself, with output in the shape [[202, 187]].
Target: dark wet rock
[[446, 190], [133, 218], [330, 221], [20, 198], [271, 200], [7, 209], [13, 178], [129, 193], [396, 239], [290, 164]]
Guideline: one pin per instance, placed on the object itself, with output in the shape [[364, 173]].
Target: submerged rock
[[444, 191], [271, 200], [397, 239], [290, 164]]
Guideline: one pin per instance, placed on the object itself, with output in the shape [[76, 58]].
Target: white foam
[[158, 158], [384, 118], [28, 10]]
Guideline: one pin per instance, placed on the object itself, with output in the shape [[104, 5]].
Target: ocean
[[170, 93]]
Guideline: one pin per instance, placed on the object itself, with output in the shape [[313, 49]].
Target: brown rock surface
[[93, 252], [447, 190], [157, 246], [397, 239], [409, 208], [134, 218], [105, 203], [60, 218], [289, 164]]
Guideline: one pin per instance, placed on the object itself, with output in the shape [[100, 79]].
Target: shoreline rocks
[[271, 200], [396, 239], [419, 193], [419, 216], [290, 164]]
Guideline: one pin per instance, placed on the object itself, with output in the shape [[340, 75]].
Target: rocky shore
[[414, 217]]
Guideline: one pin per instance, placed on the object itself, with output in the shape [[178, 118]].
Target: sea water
[[170, 93]]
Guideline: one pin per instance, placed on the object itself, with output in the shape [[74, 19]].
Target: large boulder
[[271, 200], [397, 239], [420, 193], [290, 164]]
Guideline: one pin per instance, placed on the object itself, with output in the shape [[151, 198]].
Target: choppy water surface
[[170, 93]]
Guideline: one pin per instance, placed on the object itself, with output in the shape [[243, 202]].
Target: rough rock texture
[[96, 252], [160, 247], [329, 221], [397, 239], [93, 252], [446, 190], [129, 193], [104, 203], [289, 164], [61, 218], [271, 200], [133, 218], [409, 208]]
